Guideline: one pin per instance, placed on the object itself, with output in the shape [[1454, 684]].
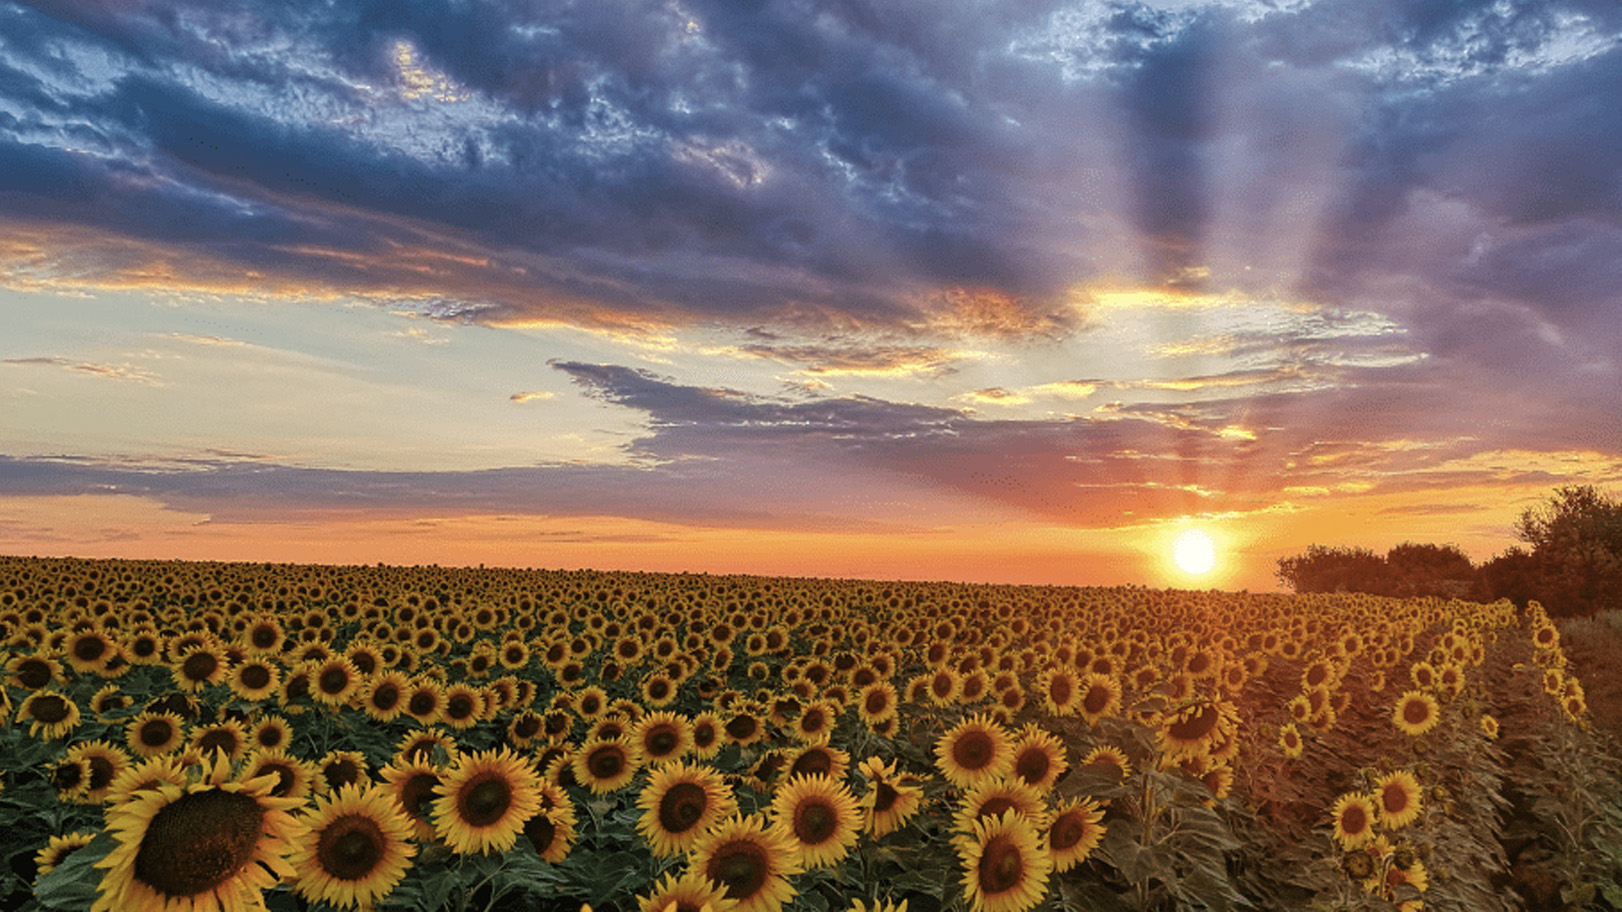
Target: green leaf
[[75, 882]]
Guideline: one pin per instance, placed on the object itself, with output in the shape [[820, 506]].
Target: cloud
[[532, 396], [124, 372]]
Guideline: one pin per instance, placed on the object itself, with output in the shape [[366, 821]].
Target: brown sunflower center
[[884, 797], [1195, 725], [385, 696], [350, 847], [263, 637], [68, 777], [1068, 830], [815, 822], [1059, 690], [1395, 798], [1096, 700], [813, 721], [199, 666], [1032, 765], [606, 762], [658, 690], [156, 733], [255, 676], [995, 806], [974, 750], [89, 649], [459, 706], [199, 841], [527, 726], [49, 709], [417, 793], [286, 777], [877, 702], [682, 806], [102, 772], [662, 741], [704, 736], [540, 831], [484, 800], [742, 726], [1354, 819], [941, 686], [422, 703], [218, 739], [1416, 712], [33, 674], [341, 772], [1001, 866], [741, 866], [333, 680], [812, 762]]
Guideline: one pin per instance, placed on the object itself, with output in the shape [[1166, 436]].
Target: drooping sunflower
[[50, 715], [484, 800], [606, 765], [215, 844], [1416, 713], [356, 850], [1109, 755], [1039, 758], [977, 748], [1354, 815], [820, 815], [662, 737], [891, 800], [688, 892], [750, 861], [1397, 795], [990, 798], [1076, 829], [679, 804], [411, 783], [1005, 867], [58, 848]]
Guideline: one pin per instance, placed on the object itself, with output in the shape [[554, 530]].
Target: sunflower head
[[484, 800], [679, 804], [977, 748], [1354, 816], [356, 848], [1005, 867], [750, 861], [819, 815]]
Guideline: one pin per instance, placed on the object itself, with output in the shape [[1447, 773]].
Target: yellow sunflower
[[992, 797], [688, 892], [976, 748], [551, 831], [1354, 815], [215, 844], [145, 775], [1100, 697], [750, 861], [50, 715], [58, 848], [254, 679], [384, 696], [606, 765], [1060, 691], [294, 777], [334, 680], [1039, 758], [357, 848], [1416, 713], [1076, 829], [1005, 868], [1289, 739], [228, 737], [105, 761], [484, 800], [816, 758], [679, 804], [411, 783], [891, 800], [1109, 755], [819, 815], [340, 768], [1397, 794], [1197, 729], [197, 668], [876, 703], [662, 737]]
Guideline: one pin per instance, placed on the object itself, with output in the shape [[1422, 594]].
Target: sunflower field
[[200, 737]]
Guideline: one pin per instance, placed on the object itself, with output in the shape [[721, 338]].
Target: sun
[[1194, 552]]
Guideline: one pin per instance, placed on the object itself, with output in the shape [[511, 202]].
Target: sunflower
[[1060, 691], [197, 667], [679, 803], [228, 737], [606, 765], [1005, 868], [33, 672], [977, 748], [214, 844], [689, 892], [109, 701], [270, 732], [340, 768], [70, 777], [88, 651], [294, 777], [1398, 795], [892, 800], [750, 861], [356, 849], [58, 848], [591, 702], [1076, 830], [552, 830], [464, 706], [1354, 815], [105, 761], [1039, 758], [819, 815], [484, 800], [1489, 727], [264, 635], [1416, 713], [816, 721], [662, 736], [254, 679], [1109, 755], [145, 775], [1197, 729], [383, 697], [876, 702], [411, 783], [992, 797], [424, 700], [50, 715], [658, 690], [334, 680], [1290, 740]]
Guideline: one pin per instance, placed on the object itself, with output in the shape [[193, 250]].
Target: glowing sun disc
[[1194, 552]]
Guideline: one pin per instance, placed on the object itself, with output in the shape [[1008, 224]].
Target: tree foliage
[[1576, 556], [1408, 570]]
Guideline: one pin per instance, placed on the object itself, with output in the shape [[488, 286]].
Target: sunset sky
[[984, 291]]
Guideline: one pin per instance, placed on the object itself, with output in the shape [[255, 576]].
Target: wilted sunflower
[[1416, 713], [1076, 829], [1005, 867], [1039, 758], [750, 860], [58, 848], [484, 800], [688, 892], [976, 749], [357, 848], [1354, 815], [215, 844], [819, 815], [891, 800], [992, 797], [1398, 796], [50, 715], [679, 803]]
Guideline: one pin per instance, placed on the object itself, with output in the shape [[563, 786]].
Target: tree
[[1322, 569], [1414, 569], [1576, 540]]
